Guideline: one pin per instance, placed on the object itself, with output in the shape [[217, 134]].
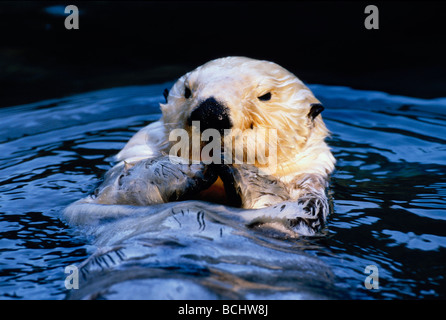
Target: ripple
[[388, 191]]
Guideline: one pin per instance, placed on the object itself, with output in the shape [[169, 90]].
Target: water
[[388, 193]]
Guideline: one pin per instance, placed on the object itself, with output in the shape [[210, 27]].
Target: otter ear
[[315, 110], [166, 94]]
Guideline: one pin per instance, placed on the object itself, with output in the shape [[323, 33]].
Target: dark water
[[389, 206]]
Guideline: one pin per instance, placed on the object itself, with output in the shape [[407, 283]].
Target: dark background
[[132, 43]]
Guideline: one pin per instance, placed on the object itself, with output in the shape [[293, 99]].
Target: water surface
[[389, 200]]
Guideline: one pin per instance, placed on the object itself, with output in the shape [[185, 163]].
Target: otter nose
[[212, 115]]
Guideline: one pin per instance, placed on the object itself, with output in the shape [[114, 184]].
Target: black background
[[133, 43]]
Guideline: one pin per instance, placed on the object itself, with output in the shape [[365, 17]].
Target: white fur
[[304, 161]]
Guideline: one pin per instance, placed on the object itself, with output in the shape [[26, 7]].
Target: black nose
[[212, 115]]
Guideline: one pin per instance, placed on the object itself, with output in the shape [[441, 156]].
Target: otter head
[[258, 108]]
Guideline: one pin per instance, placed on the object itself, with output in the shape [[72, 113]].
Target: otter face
[[237, 96]]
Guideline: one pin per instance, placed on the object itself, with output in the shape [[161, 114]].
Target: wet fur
[[294, 192]]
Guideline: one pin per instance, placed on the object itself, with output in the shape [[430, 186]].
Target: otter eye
[[265, 97], [187, 93], [166, 94]]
